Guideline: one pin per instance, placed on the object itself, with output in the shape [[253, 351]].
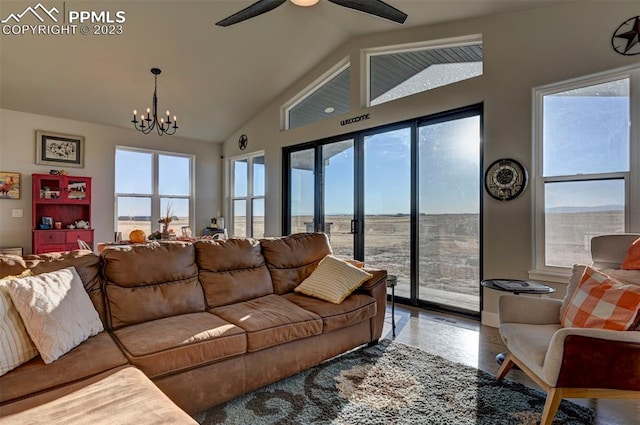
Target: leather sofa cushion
[[232, 271], [120, 396], [291, 259], [354, 309], [151, 281], [172, 344], [271, 320], [95, 355], [87, 265]]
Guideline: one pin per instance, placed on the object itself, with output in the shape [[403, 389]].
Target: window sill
[[550, 276]]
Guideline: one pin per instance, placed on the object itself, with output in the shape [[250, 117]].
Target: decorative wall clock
[[243, 141], [626, 39], [505, 179]]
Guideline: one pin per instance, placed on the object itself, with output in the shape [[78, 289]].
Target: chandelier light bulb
[[304, 3]]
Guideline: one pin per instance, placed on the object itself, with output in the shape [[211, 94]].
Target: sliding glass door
[[387, 204], [320, 187], [302, 191], [404, 197], [449, 211], [337, 187]]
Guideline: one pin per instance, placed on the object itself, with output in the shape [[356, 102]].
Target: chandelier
[[150, 122]]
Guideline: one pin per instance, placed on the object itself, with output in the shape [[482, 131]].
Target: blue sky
[[583, 135]]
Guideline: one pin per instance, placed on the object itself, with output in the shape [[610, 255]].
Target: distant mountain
[[568, 210]]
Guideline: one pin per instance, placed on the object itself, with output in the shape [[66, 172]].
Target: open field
[[126, 226], [568, 234]]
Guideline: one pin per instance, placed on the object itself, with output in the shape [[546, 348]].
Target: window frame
[[366, 54], [249, 197], [155, 195], [631, 178]]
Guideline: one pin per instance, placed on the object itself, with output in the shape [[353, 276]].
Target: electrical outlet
[[17, 213]]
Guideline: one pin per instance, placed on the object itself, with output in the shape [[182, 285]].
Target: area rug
[[392, 383]]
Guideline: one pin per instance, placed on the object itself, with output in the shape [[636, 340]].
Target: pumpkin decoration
[[137, 236]]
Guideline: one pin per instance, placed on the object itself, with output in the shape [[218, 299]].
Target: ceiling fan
[[372, 7]]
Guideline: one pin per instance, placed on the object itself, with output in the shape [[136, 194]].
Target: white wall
[[17, 154], [521, 51]]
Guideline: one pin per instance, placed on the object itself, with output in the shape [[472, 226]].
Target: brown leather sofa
[[204, 322]]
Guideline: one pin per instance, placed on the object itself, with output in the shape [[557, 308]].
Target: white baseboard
[[490, 319]]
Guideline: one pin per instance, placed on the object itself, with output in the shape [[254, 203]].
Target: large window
[[405, 70], [587, 181], [149, 185], [247, 196]]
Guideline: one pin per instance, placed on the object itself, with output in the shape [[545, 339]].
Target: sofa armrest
[[376, 287], [379, 278], [594, 358]]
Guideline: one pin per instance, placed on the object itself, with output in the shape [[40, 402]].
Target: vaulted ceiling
[[214, 79]]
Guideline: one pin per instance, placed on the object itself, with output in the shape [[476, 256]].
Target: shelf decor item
[[9, 185], [59, 149]]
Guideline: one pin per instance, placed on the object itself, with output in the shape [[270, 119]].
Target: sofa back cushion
[[232, 271], [291, 259], [86, 263], [151, 281]]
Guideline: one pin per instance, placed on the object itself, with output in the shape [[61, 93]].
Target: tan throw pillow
[[333, 280], [56, 310], [16, 347]]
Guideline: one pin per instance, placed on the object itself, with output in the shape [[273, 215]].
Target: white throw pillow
[[333, 280], [56, 310], [16, 347]]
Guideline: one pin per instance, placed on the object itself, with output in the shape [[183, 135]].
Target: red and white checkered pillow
[[602, 302]]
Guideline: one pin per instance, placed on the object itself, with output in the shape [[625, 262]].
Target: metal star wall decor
[[626, 39], [243, 141]]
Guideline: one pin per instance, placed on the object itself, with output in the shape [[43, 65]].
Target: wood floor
[[468, 342]]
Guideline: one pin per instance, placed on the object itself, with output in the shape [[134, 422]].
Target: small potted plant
[[168, 218]]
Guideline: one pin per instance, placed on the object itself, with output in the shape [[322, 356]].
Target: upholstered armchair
[[571, 362]]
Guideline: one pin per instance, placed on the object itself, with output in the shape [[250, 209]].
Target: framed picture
[[63, 150], [47, 221], [9, 185]]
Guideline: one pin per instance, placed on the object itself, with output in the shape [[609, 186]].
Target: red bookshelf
[[64, 199]]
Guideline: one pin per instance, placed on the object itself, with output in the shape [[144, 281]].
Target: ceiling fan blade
[[374, 7], [257, 8]]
